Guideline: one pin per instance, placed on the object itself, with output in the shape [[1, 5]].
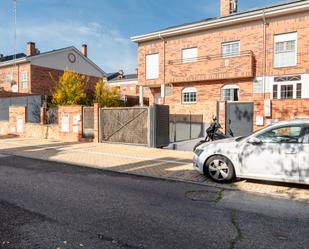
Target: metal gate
[[88, 122], [239, 119], [124, 125], [185, 127]]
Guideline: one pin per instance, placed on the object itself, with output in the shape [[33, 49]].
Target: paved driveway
[[176, 165]]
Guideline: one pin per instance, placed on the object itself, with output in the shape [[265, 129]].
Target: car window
[[306, 135], [285, 134]]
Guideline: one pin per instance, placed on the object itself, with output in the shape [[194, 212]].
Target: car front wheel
[[220, 169]]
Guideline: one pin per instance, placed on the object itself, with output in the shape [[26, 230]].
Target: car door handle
[[291, 152]]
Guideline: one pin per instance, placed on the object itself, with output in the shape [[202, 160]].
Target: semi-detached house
[[32, 72], [248, 68]]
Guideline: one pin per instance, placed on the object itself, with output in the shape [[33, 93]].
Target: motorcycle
[[213, 133]]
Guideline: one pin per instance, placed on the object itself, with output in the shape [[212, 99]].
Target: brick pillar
[[42, 115], [96, 126], [71, 130]]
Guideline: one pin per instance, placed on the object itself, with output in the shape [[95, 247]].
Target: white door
[[304, 157], [276, 157], [20, 124]]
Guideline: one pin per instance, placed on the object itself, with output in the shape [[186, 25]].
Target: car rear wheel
[[220, 169]]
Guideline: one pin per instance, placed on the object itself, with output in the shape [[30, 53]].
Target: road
[[52, 205]]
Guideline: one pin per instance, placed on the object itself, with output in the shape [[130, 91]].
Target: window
[[286, 92], [230, 49], [298, 91], [152, 66], [9, 77], [285, 50], [286, 134], [275, 91], [229, 93], [24, 80], [189, 55], [189, 95], [287, 87]]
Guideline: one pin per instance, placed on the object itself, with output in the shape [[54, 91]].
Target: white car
[[279, 152]]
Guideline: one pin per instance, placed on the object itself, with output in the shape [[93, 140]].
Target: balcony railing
[[208, 58], [211, 67]]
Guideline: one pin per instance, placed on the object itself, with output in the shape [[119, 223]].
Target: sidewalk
[[167, 164]]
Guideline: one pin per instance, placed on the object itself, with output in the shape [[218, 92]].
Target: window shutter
[[152, 66]]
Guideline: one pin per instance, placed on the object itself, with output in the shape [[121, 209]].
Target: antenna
[[14, 27]]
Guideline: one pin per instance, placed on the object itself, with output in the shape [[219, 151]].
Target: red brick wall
[[16, 72], [16, 112], [72, 134], [41, 82]]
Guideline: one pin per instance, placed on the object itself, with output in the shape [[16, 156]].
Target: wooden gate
[[124, 125]]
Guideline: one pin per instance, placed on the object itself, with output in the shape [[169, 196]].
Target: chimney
[[31, 50], [136, 71], [84, 50], [228, 7]]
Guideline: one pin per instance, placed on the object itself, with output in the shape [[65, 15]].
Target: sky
[[105, 25]]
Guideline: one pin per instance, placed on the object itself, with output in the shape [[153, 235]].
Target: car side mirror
[[254, 141]]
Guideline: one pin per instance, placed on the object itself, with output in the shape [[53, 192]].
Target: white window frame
[[229, 44], [152, 66], [24, 80], [189, 55], [286, 83], [228, 88], [189, 90], [285, 38]]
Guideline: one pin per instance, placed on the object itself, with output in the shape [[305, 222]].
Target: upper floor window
[[285, 50], [230, 48], [24, 80], [189, 55], [189, 95], [229, 93], [9, 77], [152, 66]]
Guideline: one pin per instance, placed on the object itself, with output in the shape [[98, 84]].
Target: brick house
[[127, 83], [30, 72], [247, 68]]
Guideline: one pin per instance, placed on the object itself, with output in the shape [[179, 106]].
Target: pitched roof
[[217, 19], [12, 57], [28, 58], [114, 77]]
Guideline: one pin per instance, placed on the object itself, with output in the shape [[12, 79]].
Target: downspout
[[265, 54], [164, 59]]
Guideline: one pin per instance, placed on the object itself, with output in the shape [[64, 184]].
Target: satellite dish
[[14, 88]]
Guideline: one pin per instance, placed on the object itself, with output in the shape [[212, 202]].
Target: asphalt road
[[51, 205]]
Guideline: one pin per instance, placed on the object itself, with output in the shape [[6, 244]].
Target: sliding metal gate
[[124, 125]]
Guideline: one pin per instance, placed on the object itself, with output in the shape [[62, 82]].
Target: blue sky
[[105, 25]]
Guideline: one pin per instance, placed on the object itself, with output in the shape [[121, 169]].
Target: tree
[[107, 96], [70, 89]]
